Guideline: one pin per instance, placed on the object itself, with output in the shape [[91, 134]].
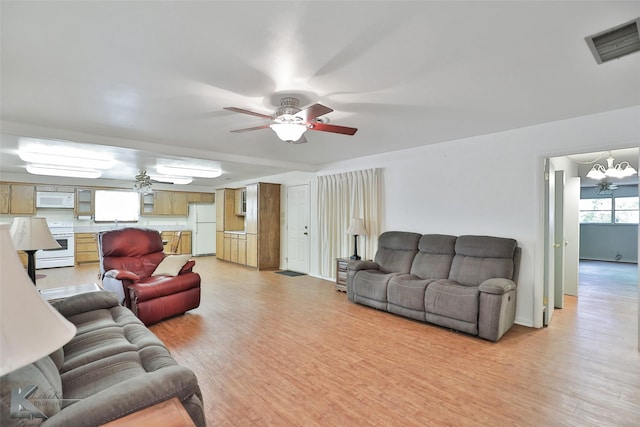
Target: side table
[[169, 413], [341, 274], [55, 294]]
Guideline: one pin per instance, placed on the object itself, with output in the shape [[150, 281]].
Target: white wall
[[491, 184]]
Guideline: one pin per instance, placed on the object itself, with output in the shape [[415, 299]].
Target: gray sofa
[[466, 283], [113, 366]]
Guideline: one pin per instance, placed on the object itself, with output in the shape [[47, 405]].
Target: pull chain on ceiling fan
[[291, 122]]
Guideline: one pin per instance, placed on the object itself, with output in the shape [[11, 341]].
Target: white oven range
[[63, 256]]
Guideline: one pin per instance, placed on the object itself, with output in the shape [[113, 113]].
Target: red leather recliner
[[128, 257]]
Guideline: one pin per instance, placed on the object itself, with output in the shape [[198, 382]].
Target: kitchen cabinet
[[22, 199], [5, 194], [258, 245], [184, 247], [164, 203], [240, 201], [86, 248], [263, 225], [85, 202], [201, 198], [226, 218], [235, 247], [170, 203]]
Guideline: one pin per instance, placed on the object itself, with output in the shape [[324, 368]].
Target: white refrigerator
[[202, 223]]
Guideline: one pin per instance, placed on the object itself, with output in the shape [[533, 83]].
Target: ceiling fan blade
[[248, 129], [313, 111], [324, 127], [243, 111]]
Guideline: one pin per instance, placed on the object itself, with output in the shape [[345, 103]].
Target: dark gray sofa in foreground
[[113, 366], [466, 283]]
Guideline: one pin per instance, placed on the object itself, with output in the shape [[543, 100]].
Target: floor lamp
[[30, 234], [30, 327], [356, 228]]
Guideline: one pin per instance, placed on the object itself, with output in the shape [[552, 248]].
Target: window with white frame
[[609, 210]]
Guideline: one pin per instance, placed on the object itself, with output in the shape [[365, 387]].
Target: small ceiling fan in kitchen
[[290, 122]]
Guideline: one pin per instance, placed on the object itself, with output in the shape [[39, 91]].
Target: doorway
[[562, 195]]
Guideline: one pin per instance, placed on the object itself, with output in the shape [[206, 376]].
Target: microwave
[[52, 199]]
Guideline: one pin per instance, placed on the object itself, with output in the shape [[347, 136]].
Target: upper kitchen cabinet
[[17, 199], [200, 197], [85, 202], [164, 203], [5, 194]]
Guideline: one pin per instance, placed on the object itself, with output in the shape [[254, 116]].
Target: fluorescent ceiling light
[[180, 180], [184, 171], [53, 152], [62, 171]]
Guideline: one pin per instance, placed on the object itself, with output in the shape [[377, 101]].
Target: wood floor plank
[[272, 350]]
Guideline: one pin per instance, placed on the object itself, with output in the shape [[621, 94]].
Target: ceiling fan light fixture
[[142, 183], [289, 131], [179, 171], [51, 170]]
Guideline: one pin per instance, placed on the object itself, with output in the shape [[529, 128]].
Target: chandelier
[[143, 182], [621, 170]]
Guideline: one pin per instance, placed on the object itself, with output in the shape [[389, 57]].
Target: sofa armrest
[[86, 302], [122, 275], [363, 265], [126, 397], [497, 286]]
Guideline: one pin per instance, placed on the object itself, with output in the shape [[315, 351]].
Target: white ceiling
[[153, 76]]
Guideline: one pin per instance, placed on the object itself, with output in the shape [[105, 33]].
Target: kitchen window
[[117, 206]]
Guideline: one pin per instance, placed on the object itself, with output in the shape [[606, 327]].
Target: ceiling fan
[[606, 187], [290, 122]]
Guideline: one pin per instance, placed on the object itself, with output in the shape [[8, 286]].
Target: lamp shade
[[289, 131], [31, 234], [30, 327], [357, 228]]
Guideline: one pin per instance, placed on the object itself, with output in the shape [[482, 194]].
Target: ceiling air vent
[[615, 42]]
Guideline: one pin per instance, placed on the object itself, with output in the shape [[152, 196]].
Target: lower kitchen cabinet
[[86, 248], [184, 246]]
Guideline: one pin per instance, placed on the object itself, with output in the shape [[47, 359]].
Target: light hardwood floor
[[291, 351]]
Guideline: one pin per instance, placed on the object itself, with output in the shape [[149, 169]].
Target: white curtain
[[342, 197]]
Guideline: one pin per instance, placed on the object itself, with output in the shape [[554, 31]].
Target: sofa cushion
[[171, 265], [372, 284], [450, 299], [407, 291], [435, 253], [396, 250], [479, 258]]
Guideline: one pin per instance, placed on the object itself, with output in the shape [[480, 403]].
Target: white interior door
[[298, 228], [559, 241], [549, 239], [571, 235]]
